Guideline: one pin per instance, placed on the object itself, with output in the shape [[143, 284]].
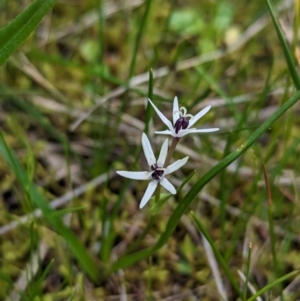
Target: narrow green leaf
[[129, 260], [138, 39], [192, 194], [149, 107], [65, 211], [272, 284], [288, 57], [13, 34], [39, 200]]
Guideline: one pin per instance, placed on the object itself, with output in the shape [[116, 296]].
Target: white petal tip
[[214, 129], [206, 109], [173, 192]]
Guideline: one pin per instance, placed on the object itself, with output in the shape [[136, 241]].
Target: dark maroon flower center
[[158, 172], [181, 123]]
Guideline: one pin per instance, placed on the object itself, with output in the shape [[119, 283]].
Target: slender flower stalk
[[158, 170], [182, 122], [171, 151]]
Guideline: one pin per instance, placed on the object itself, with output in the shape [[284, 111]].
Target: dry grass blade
[[250, 286], [29, 272], [214, 268], [33, 266]]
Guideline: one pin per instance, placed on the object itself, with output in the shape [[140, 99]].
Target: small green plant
[[85, 86]]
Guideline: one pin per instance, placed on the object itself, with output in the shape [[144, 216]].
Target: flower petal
[[168, 186], [176, 165], [176, 114], [205, 130], [163, 154], [163, 118], [198, 116], [134, 175], [195, 131], [148, 150], [148, 193], [166, 132]]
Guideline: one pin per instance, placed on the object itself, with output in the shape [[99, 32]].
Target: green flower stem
[[157, 193], [149, 107], [171, 151]]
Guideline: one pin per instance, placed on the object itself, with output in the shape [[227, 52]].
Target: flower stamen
[[182, 122], [183, 113], [157, 172]]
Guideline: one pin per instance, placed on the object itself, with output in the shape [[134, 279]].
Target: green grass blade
[[272, 284], [38, 199], [183, 205], [13, 34], [129, 260], [149, 107], [139, 38], [288, 56], [65, 211]]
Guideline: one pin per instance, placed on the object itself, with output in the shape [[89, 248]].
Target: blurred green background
[[73, 103]]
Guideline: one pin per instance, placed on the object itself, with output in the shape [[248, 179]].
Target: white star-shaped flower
[[157, 173], [181, 124]]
